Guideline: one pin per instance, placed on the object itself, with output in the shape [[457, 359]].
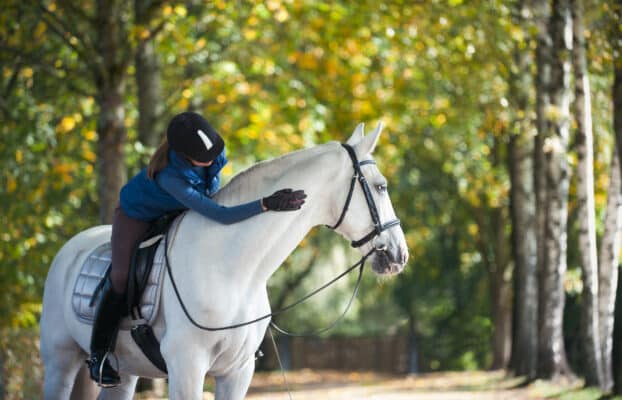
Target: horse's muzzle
[[391, 260]]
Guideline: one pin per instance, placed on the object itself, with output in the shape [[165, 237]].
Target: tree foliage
[[277, 76]]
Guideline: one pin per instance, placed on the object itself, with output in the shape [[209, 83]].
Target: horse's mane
[[249, 182]]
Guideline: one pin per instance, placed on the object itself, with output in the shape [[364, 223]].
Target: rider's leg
[[126, 232]]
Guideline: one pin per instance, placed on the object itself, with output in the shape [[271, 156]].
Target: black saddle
[[141, 265], [142, 261]]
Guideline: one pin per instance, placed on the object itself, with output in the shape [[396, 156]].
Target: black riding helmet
[[190, 134]]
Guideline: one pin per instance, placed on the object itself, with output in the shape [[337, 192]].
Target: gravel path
[[333, 385]]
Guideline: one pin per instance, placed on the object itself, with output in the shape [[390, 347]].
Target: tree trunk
[[110, 84], [617, 89], [501, 281], [586, 208], [608, 269], [541, 10], [413, 346], [617, 127], [523, 215], [492, 243], [524, 247], [552, 355], [148, 82]]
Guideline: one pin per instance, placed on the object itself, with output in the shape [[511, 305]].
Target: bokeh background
[[487, 148]]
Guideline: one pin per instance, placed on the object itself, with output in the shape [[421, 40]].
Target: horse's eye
[[382, 188]]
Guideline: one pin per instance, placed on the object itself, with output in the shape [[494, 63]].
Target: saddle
[[143, 291]]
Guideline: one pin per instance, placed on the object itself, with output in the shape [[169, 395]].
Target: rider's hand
[[284, 200]]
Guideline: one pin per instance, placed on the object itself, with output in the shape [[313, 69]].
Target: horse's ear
[[357, 135], [368, 144]]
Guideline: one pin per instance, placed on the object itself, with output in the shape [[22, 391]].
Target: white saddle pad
[[91, 274]]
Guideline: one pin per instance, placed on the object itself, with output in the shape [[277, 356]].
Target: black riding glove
[[284, 200]]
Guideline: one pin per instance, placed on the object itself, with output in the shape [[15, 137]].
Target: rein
[[360, 264]]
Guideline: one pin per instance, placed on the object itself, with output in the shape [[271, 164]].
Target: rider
[[182, 174]]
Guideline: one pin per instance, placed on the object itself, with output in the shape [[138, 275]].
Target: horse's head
[[364, 213]]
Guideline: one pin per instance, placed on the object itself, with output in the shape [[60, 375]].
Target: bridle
[[379, 227]]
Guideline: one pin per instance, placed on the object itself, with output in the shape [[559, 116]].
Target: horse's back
[[70, 256], [62, 274]]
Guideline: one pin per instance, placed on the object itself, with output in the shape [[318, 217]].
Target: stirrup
[[100, 381]]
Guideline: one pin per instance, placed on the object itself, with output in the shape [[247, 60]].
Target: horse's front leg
[[186, 369], [234, 385]]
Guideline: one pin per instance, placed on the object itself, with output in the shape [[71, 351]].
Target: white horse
[[222, 272]]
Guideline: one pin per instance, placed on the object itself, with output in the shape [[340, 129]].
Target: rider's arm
[[194, 199]]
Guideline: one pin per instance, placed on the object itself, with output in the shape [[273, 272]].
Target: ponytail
[[158, 160]]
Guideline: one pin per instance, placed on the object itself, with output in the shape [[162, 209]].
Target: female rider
[[182, 174]]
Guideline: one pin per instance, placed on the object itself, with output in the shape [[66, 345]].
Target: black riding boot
[[104, 336]]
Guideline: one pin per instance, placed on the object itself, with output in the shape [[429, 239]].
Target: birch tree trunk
[[523, 214], [541, 11], [608, 269], [617, 84], [586, 208], [525, 342], [552, 355], [617, 127]]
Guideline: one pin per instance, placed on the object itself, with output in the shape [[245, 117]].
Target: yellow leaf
[[307, 61], [200, 44], [66, 124], [439, 120], [167, 10], [40, 30], [19, 156], [143, 33], [11, 184], [181, 10], [89, 155], [227, 170], [249, 34], [27, 72], [90, 135], [270, 135], [187, 93]]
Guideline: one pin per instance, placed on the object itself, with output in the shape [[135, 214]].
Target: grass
[[566, 391]]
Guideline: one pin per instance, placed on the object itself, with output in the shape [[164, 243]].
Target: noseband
[[379, 227]]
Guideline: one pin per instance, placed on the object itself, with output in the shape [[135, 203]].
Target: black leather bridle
[[379, 227]]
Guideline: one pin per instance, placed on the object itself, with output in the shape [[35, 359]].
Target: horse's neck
[[263, 242]]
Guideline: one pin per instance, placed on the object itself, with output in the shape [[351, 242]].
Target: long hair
[[158, 160]]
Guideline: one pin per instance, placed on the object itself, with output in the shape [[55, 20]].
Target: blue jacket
[[180, 185]]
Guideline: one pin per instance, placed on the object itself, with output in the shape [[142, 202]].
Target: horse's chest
[[236, 347]]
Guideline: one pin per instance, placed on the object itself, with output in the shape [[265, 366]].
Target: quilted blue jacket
[[180, 185]]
